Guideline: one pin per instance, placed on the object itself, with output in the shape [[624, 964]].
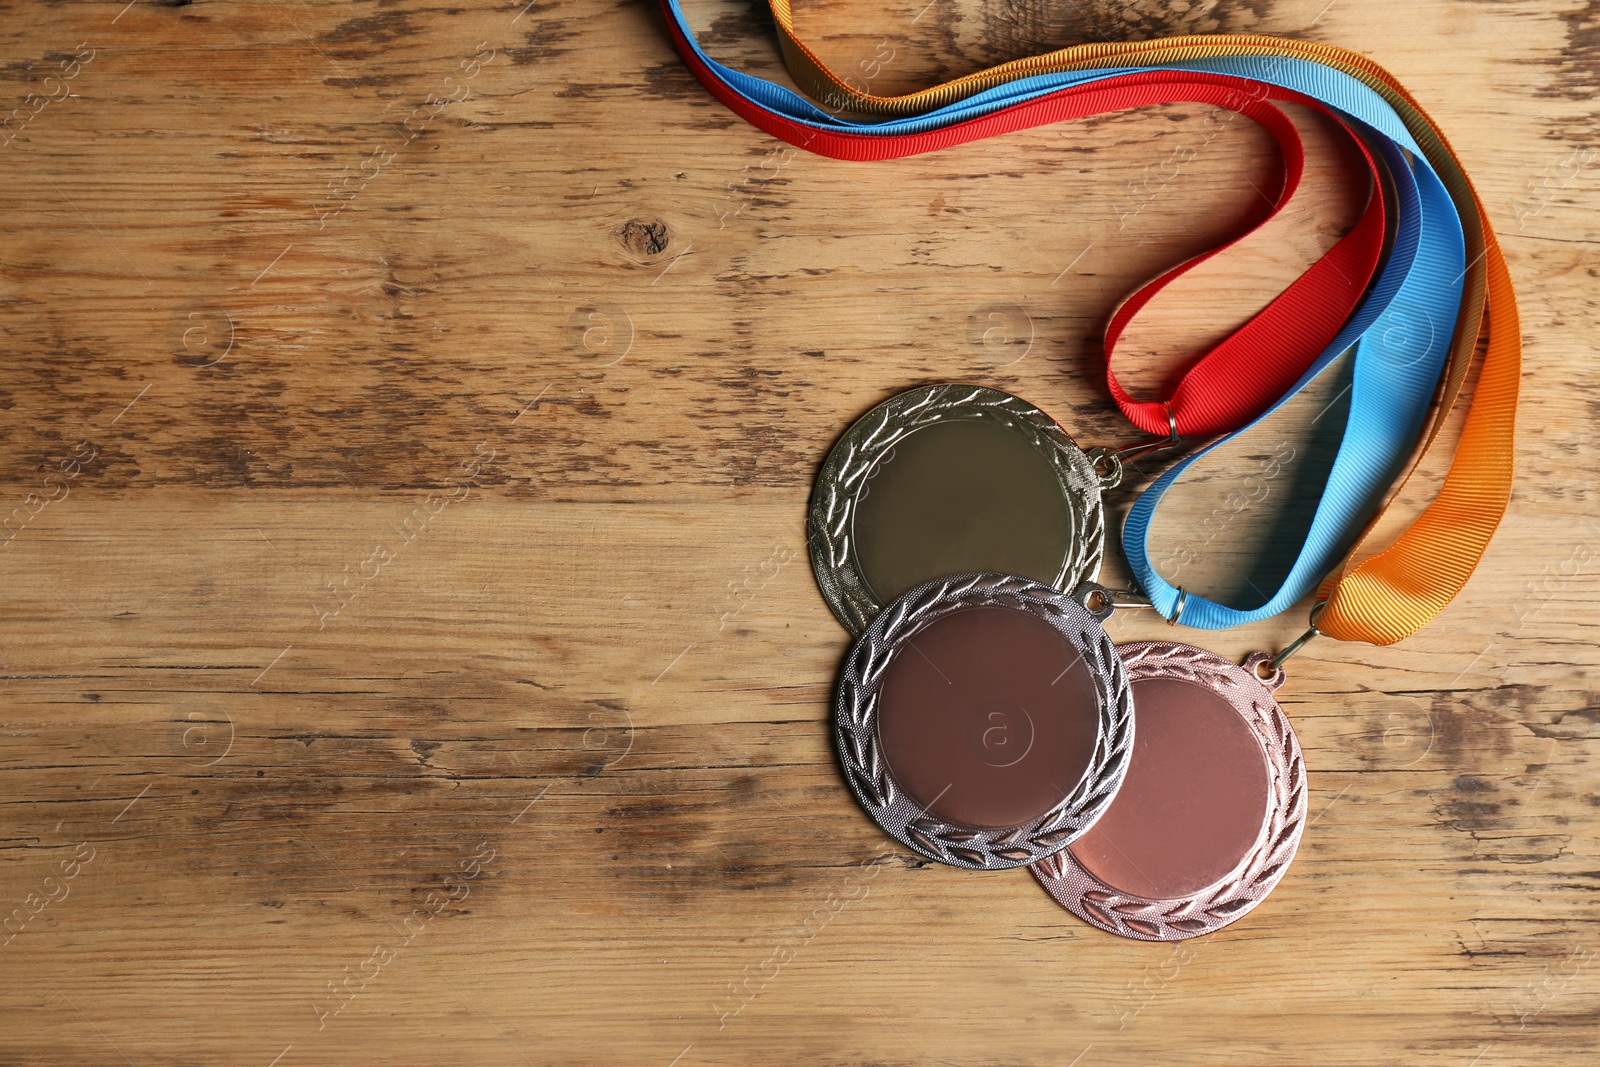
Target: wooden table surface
[[408, 652]]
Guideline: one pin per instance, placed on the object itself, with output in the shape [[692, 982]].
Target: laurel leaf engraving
[[1105, 920], [927, 842], [1051, 821], [1013, 837], [1229, 907], [857, 751], [1102, 797], [868, 786], [1148, 929]]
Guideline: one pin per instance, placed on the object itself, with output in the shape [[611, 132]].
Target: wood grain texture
[[408, 653]]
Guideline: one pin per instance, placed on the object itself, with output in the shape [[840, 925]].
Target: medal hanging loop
[[1265, 670], [1102, 602], [1277, 661], [1110, 463]]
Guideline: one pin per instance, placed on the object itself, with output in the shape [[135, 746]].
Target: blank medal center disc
[[1194, 801], [988, 717], [958, 496]]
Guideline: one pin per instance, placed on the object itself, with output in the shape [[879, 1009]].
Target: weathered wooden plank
[[422, 660]]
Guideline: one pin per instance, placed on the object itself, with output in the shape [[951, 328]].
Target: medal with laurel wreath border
[[1250, 694], [830, 519], [868, 773]]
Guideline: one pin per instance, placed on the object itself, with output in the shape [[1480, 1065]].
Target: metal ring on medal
[[850, 466], [1066, 878], [867, 769]]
